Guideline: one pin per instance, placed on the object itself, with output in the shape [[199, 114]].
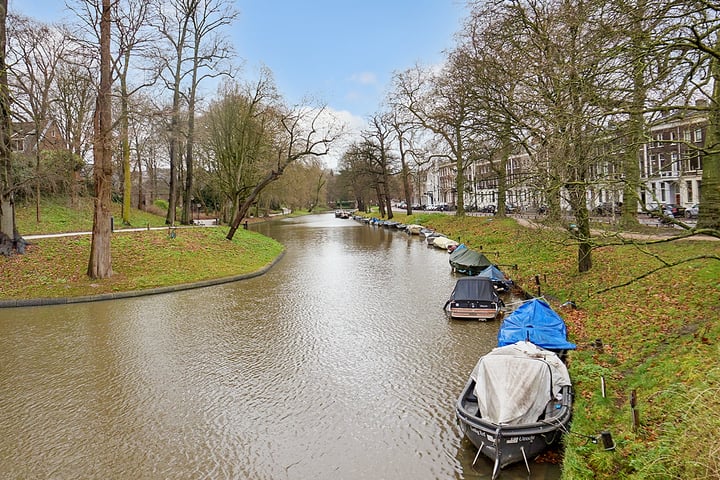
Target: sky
[[340, 53]]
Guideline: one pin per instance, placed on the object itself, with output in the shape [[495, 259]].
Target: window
[[673, 140], [698, 135], [688, 187], [694, 162], [687, 136], [652, 167]]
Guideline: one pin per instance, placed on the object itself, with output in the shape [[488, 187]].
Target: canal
[[339, 363]]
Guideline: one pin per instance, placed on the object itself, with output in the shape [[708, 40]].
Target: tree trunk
[[7, 212], [460, 179], [242, 209], [189, 175], [581, 231], [631, 167], [172, 195], [709, 215], [100, 264], [381, 200], [125, 141]]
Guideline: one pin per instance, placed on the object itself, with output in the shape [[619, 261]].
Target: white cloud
[[340, 120], [364, 78]]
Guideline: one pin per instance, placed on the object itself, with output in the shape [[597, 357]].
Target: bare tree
[[7, 208], [208, 51], [72, 108], [355, 176], [38, 51], [132, 39], [404, 130], [239, 130], [100, 263], [440, 103], [174, 20], [693, 37], [488, 60], [377, 144], [298, 135]]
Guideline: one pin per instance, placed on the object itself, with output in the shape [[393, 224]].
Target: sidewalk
[[667, 233], [203, 223]]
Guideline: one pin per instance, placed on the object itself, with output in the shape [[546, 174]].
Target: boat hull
[[508, 444], [474, 313]]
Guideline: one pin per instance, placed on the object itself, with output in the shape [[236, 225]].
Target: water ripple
[[338, 363]]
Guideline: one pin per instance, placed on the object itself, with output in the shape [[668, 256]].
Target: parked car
[[692, 212], [417, 206], [608, 208], [488, 208], [442, 207], [510, 208], [676, 210]]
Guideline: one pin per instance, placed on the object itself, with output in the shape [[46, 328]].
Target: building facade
[[670, 172]]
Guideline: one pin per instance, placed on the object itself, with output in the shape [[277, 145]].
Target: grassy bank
[[55, 267], [660, 340]]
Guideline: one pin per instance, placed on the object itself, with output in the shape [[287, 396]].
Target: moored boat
[[473, 298], [519, 397], [468, 261], [502, 282], [413, 229], [443, 242]]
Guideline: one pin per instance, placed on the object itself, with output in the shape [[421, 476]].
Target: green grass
[[57, 216], [56, 267]]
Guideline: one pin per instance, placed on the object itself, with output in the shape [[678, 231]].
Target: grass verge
[[660, 336], [56, 267]]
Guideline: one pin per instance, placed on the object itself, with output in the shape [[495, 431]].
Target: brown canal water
[[339, 363]]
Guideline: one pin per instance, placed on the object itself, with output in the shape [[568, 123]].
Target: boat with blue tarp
[[518, 400], [502, 282]]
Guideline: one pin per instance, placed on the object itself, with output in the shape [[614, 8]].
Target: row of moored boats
[[518, 400]]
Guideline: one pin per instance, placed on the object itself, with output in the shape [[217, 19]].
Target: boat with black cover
[[474, 298]]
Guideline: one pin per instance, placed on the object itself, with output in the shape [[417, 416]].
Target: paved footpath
[[667, 233], [203, 223]]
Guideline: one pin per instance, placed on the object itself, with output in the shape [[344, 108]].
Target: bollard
[[635, 413]]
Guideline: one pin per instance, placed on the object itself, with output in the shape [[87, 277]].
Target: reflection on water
[[337, 364]]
